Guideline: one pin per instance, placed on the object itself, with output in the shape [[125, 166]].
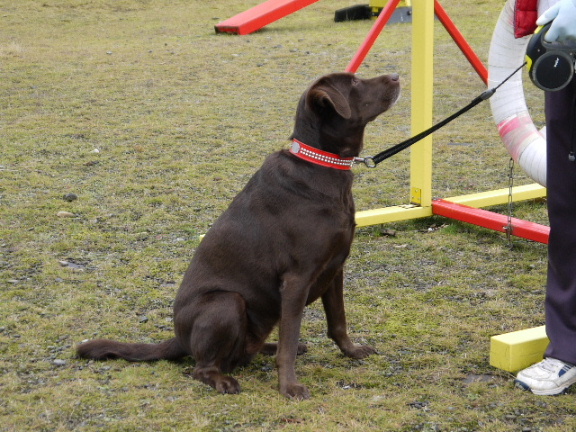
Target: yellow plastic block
[[517, 350], [382, 3]]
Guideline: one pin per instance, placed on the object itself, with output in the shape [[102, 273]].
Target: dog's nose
[[394, 77]]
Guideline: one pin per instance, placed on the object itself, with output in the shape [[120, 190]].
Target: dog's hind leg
[[217, 338]]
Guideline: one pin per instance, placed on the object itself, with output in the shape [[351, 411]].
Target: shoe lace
[[551, 365]]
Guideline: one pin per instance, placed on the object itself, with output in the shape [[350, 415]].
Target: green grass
[[155, 123]]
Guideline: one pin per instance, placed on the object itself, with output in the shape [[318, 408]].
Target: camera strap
[[372, 161]]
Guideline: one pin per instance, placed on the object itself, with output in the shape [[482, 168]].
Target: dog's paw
[[296, 391], [212, 376], [227, 385], [360, 351]]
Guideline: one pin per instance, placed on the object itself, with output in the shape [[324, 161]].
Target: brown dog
[[280, 245]]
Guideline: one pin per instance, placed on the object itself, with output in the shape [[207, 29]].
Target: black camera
[[550, 64]]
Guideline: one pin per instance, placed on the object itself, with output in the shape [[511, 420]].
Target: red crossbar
[[259, 16], [491, 220], [375, 31]]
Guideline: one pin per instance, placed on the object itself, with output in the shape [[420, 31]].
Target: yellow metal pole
[[422, 100]]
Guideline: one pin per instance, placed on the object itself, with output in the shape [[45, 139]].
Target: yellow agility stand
[[421, 116], [423, 12]]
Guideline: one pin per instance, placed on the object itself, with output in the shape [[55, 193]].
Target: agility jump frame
[[465, 208]]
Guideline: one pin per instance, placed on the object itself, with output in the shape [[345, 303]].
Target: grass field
[[154, 123]]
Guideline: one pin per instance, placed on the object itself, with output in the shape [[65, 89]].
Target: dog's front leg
[[294, 294], [333, 301]]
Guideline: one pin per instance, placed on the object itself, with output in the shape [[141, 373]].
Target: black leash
[[372, 161]]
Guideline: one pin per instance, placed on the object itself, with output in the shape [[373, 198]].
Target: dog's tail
[[103, 349]]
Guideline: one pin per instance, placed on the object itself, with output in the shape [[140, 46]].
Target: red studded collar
[[320, 157]]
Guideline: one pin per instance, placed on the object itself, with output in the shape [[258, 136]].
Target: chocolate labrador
[[280, 245]]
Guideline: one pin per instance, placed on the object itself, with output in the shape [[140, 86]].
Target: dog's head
[[334, 111]]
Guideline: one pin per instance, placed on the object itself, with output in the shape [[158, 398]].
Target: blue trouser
[[560, 302]]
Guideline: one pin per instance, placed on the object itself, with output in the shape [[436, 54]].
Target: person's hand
[[563, 29]]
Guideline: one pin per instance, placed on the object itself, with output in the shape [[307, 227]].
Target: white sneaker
[[547, 378]]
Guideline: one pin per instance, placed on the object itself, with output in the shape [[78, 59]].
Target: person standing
[[557, 371]]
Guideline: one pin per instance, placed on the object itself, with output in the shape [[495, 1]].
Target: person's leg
[[561, 184], [557, 372]]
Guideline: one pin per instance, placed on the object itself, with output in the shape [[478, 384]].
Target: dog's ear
[[323, 95]]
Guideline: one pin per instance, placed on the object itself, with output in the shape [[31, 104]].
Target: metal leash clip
[[368, 161]]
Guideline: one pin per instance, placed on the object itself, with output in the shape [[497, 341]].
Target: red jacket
[[525, 16]]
